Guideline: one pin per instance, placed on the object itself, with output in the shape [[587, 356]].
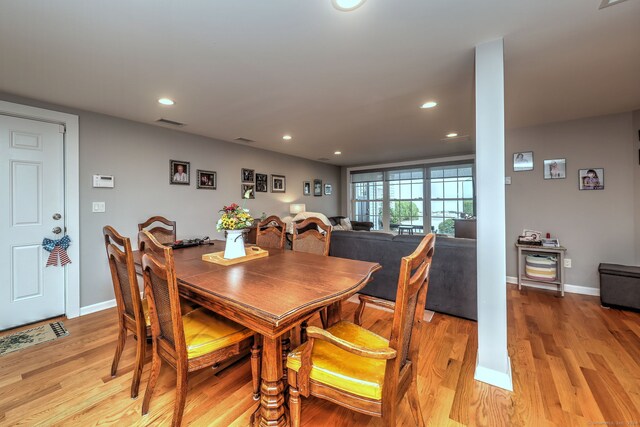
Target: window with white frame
[[416, 199]]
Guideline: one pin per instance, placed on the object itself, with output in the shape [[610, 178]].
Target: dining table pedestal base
[[271, 411]]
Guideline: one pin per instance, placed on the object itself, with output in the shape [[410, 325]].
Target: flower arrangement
[[234, 218]]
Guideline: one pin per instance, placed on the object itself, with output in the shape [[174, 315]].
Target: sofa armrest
[[362, 225]]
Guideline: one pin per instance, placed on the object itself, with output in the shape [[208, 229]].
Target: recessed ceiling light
[[452, 135], [286, 137], [429, 104], [166, 101], [337, 153], [347, 5]]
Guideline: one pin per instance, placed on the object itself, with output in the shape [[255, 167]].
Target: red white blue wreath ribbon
[[58, 249]]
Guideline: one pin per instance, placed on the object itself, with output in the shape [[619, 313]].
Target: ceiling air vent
[[169, 122], [243, 139], [607, 3], [323, 159]]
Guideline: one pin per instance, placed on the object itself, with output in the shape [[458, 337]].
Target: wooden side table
[[541, 250]]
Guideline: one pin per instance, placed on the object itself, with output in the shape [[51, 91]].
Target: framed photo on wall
[[248, 191], [261, 183], [523, 161], [306, 188], [317, 187], [179, 172], [327, 189], [248, 175], [207, 180], [555, 169], [278, 184], [591, 179]]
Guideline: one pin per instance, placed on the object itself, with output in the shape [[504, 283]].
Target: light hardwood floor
[[574, 363]]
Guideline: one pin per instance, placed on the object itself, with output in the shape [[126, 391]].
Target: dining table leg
[[272, 409], [334, 313]]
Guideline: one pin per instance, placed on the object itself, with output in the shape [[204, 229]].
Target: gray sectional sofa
[[452, 285]]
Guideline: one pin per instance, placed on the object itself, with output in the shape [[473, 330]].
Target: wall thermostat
[[103, 181]]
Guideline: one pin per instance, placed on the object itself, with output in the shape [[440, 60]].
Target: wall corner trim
[[493, 377]]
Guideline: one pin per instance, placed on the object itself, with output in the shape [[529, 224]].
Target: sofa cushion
[[452, 280]]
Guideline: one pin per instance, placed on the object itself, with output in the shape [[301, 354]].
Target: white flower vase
[[235, 245]]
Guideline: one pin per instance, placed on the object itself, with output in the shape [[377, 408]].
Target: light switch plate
[[98, 207], [507, 180]]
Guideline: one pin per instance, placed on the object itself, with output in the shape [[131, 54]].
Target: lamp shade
[[296, 208]]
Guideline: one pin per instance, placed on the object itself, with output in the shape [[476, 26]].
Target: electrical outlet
[[98, 207], [567, 262]]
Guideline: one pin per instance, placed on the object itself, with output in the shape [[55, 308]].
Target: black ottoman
[[620, 286]]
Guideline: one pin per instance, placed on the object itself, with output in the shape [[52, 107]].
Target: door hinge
[[63, 129]]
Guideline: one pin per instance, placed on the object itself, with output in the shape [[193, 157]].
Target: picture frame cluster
[[317, 188], [252, 183], [180, 174], [588, 178]]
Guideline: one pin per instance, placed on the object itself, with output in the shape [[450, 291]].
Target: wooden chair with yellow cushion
[[187, 342], [133, 312], [360, 370], [270, 233], [164, 234]]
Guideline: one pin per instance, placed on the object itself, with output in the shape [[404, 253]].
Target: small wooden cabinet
[[559, 252]]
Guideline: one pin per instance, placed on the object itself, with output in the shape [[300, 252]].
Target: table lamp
[[296, 208]]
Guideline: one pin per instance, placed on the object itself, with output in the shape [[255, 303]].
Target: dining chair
[[353, 367], [187, 342], [270, 233], [133, 311], [165, 235], [312, 236]]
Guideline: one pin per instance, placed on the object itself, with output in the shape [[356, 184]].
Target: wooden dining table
[[270, 295]]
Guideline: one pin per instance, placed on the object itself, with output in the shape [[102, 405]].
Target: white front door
[[31, 206]]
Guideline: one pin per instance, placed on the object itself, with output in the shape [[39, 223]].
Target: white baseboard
[[572, 289], [97, 307], [493, 377]]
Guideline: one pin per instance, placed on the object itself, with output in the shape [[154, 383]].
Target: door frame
[[71, 191]]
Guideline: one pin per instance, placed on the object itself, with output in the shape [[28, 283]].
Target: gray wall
[[595, 226], [138, 156], [636, 169]]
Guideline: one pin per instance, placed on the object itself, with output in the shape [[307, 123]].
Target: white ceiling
[[335, 81]]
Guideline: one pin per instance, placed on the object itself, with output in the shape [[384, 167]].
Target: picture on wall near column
[[261, 183], [179, 172], [206, 180], [306, 188], [591, 179], [248, 175], [317, 187], [278, 184], [248, 191], [523, 161], [327, 189], [555, 169]]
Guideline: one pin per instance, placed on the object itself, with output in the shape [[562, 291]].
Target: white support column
[[493, 365]]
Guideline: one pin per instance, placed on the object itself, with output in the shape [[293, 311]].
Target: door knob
[[57, 230], [57, 216]]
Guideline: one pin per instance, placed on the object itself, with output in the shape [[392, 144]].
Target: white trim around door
[[71, 191]]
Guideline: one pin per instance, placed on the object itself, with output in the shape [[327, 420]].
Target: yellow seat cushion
[[145, 310], [205, 332], [342, 370]]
